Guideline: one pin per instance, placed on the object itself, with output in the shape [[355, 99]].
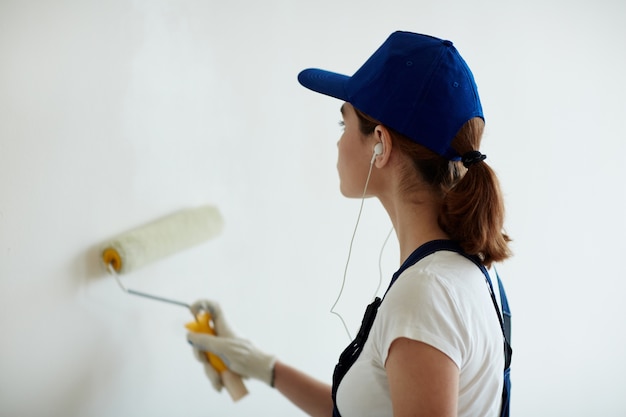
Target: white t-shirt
[[444, 301]]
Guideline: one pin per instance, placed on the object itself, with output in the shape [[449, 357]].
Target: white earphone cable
[[345, 272], [380, 263]]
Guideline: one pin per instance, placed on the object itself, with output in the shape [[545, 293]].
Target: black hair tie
[[472, 157]]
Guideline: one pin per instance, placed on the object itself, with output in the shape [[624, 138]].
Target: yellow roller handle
[[204, 325], [233, 383]]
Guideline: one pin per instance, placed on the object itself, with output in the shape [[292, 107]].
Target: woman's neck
[[415, 222]]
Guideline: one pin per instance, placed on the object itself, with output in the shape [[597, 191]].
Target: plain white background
[[114, 113]]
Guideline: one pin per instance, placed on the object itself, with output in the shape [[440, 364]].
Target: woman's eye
[[342, 124]]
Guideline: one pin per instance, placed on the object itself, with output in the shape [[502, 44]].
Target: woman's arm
[[310, 395], [423, 381]]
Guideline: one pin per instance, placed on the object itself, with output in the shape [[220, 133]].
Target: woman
[[434, 345]]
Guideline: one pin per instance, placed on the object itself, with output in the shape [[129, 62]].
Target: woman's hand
[[238, 354]]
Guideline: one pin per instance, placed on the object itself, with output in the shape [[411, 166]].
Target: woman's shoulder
[[442, 268], [443, 278]]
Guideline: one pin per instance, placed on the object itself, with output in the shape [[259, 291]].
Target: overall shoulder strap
[[506, 311], [505, 324], [504, 316]]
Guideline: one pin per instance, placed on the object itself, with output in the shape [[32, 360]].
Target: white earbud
[[378, 150]]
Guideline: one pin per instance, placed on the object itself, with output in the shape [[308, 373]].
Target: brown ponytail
[[472, 207]]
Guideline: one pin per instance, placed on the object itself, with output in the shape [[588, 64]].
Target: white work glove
[[239, 355]]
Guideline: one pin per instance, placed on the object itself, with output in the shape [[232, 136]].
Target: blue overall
[[352, 352]]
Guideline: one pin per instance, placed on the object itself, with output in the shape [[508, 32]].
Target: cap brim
[[325, 82]]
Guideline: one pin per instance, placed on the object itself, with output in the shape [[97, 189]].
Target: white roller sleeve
[[161, 238]]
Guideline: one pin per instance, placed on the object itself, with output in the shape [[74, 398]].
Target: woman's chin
[[348, 193]]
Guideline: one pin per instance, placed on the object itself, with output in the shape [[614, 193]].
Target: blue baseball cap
[[416, 84]]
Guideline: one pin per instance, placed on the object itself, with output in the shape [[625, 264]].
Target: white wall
[[113, 113]]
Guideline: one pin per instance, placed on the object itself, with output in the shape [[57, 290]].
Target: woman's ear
[[383, 137]]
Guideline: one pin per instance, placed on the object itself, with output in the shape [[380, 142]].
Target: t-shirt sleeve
[[419, 306]]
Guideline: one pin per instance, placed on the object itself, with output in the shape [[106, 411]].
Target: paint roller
[[159, 239]]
